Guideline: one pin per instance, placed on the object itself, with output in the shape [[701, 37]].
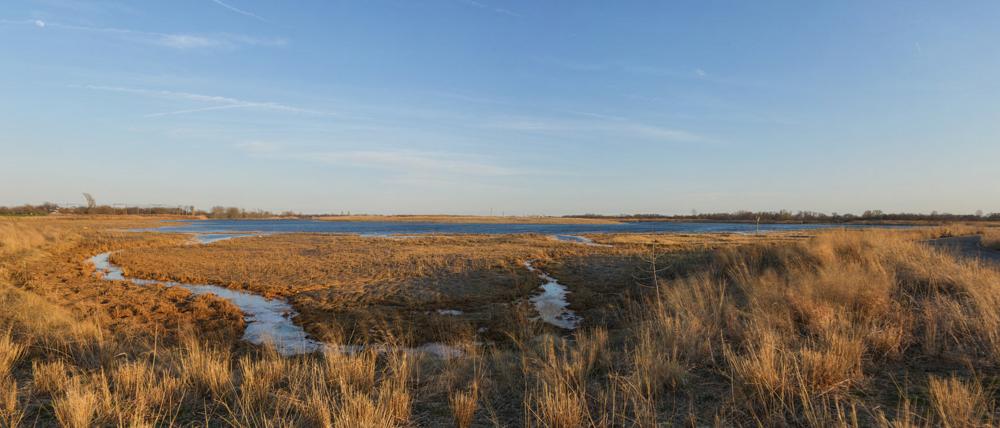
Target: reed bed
[[846, 328], [991, 239]]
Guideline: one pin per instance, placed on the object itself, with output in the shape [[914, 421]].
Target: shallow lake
[[378, 228]]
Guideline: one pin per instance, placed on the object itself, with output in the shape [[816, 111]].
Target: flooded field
[[417, 228]]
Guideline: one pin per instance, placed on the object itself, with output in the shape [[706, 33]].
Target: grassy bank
[[991, 239], [850, 328]]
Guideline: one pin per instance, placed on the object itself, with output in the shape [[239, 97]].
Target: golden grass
[[818, 331], [49, 378], [958, 403], [77, 407], [11, 409], [991, 238], [463, 405], [399, 284]]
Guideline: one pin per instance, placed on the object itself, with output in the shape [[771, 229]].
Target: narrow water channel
[[551, 302], [267, 320]]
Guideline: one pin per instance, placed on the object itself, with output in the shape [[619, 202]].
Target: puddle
[[268, 321], [449, 312], [578, 240], [551, 302], [208, 238], [387, 236]]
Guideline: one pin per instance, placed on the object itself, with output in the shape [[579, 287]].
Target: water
[[209, 238], [574, 238], [578, 240], [551, 302], [268, 320], [388, 228]]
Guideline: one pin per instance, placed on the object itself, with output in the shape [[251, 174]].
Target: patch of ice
[[208, 238], [577, 239], [551, 302]]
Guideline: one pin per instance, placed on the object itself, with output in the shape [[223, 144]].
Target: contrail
[[238, 10]]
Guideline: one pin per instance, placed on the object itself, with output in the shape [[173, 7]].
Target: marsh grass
[[991, 238], [803, 333]]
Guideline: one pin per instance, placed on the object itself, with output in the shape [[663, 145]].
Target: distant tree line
[[29, 210], [216, 212], [236, 213], [785, 216]]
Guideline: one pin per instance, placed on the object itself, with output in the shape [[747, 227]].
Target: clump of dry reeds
[[991, 239]]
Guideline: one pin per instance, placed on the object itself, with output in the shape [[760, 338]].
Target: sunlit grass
[[849, 328]]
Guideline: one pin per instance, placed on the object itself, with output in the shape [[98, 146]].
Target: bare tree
[[90, 201]]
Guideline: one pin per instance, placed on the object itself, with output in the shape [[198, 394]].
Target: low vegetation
[[375, 284], [991, 239], [848, 328]]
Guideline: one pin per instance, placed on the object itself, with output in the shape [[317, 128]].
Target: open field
[[850, 328], [469, 219]]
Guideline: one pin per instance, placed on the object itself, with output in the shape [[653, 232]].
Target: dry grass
[[463, 405], [957, 403], [77, 407], [379, 284], [849, 328], [991, 239]]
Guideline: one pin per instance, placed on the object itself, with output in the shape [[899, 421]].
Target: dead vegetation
[[991, 238], [398, 285], [849, 328]]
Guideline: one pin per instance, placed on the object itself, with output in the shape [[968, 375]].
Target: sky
[[532, 107]]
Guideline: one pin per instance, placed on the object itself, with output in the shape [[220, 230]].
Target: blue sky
[[516, 107]]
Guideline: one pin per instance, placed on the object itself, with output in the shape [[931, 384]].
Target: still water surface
[[407, 228]]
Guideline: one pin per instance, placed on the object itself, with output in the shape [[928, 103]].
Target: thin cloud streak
[[401, 162], [410, 161], [485, 6], [239, 11], [601, 123], [223, 103], [696, 74], [177, 41]]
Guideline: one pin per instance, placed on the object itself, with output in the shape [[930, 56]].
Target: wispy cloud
[[409, 161], [177, 41], [622, 67], [238, 10], [611, 125], [494, 9], [394, 161], [219, 102]]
